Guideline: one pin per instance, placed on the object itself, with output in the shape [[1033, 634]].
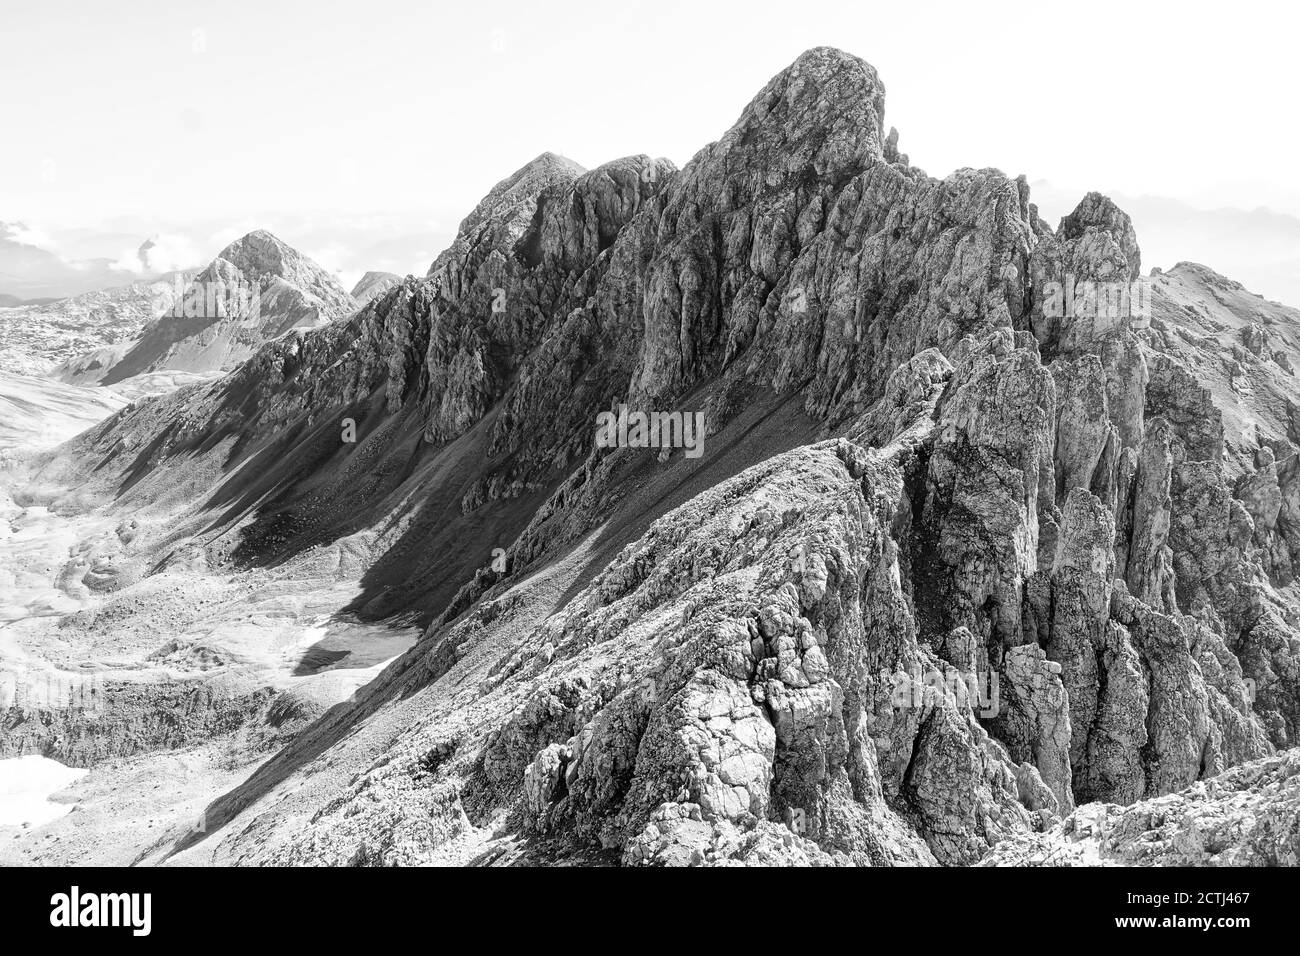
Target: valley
[[329, 578]]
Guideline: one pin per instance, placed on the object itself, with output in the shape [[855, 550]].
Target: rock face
[[1248, 816], [970, 547], [256, 290], [373, 284], [63, 338]]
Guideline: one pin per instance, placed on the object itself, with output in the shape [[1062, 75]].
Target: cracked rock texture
[[256, 290], [373, 284], [1248, 816], [65, 338], [960, 565]]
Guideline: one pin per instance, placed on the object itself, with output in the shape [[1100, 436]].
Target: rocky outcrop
[[103, 718], [973, 547], [72, 340], [988, 475], [1034, 718], [1148, 560], [256, 290], [373, 284], [1082, 277], [735, 688], [1248, 816], [1080, 583]]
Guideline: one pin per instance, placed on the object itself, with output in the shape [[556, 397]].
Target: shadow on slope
[[768, 425]]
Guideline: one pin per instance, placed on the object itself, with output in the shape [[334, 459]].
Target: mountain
[[1235, 819], [258, 288], [1257, 246], [35, 338], [985, 534], [373, 284], [12, 301]]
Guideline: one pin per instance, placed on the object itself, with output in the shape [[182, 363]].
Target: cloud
[[25, 235], [166, 252]]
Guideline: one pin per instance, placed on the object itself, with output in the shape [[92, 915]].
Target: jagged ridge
[[1050, 500]]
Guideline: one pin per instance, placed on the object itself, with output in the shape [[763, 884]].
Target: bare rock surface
[[373, 284], [1247, 816], [55, 337], [257, 289], [989, 534]]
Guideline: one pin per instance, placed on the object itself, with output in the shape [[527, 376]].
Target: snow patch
[[26, 786]]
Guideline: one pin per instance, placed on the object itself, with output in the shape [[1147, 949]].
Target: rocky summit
[[257, 289], [989, 557]]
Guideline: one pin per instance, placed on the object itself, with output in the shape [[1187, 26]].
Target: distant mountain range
[[35, 337], [13, 301], [206, 321]]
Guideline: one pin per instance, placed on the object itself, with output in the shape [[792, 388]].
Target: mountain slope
[[373, 284], [36, 414], [13, 301], [1246, 817], [256, 290], [35, 339], [920, 476]]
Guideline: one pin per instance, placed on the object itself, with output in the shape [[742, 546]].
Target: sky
[[362, 133]]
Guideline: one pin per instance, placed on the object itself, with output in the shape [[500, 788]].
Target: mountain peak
[[260, 253], [1097, 211], [822, 115], [885, 492], [525, 182], [374, 283], [258, 239], [550, 163], [514, 195], [826, 61]]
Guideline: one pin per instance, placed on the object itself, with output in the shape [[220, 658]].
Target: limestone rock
[[372, 285], [955, 560], [989, 474], [1248, 816]]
